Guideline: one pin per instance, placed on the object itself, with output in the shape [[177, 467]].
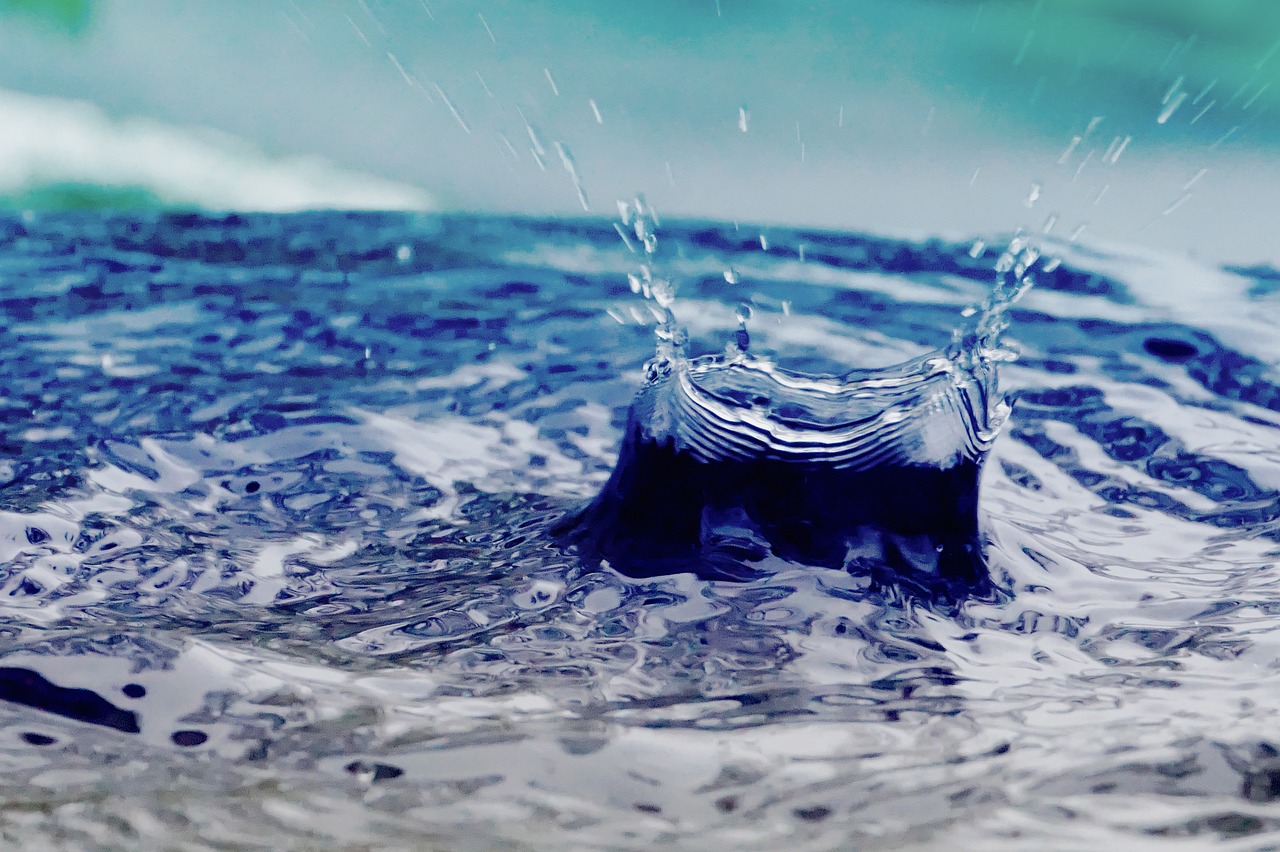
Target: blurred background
[[1142, 122]]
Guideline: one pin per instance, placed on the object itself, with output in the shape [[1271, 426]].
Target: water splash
[[732, 462]]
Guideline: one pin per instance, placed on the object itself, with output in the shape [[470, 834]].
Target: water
[[281, 566]]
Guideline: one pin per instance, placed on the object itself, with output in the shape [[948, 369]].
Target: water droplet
[[976, 250], [570, 166], [1171, 107], [595, 110], [1071, 148], [1178, 203], [744, 119], [457, 116], [483, 23], [1116, 149], [1195, 179], [764, 243], [1256, 95], [404, 253], [731, 276], [1033, 195]]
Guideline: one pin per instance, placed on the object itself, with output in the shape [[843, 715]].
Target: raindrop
[[1171, 107], [1071, 148], [1195, 179], [1176, 204], [457, 116], [566, 160], [595, 110], [1256, 95], [1033, 195], [744, 118], [484, 23]]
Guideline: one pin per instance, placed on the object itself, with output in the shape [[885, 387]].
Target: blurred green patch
[[1225, 54], [71, 17], [82, 196]]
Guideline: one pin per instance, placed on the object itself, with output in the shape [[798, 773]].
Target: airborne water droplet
[[1033, 195], [1171, 107], [744, 118]]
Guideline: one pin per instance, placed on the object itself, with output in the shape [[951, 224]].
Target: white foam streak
[[49, 142]]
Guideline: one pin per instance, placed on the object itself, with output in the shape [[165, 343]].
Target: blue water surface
[[277, 570]]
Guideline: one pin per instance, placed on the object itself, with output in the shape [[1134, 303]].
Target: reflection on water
[[278, 571]]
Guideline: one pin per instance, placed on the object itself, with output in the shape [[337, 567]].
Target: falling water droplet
[[1033, 195], [457, 116], [1256, 95], [744, 119], [731, 276], [595, 110], [1071, 148], [408, 78], [1116, 149], [1171, 107], [1178, 203], [570, 166], [485, 24]]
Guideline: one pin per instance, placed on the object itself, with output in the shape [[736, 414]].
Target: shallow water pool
[[276, 495]]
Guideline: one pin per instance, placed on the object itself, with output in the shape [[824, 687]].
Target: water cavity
[[281, 563]]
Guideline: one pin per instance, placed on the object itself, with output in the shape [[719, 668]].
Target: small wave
[[57, 152]]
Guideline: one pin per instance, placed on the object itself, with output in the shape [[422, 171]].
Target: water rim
[[934, 410]]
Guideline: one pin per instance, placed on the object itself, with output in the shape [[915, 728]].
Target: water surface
[[278, 571]]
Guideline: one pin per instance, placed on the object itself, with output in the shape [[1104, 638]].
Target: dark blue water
[[278, 511]]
